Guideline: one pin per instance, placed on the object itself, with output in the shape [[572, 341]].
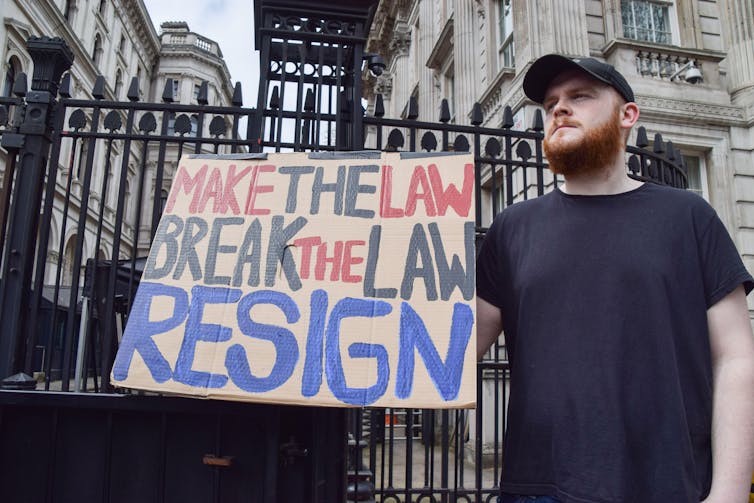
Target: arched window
[[14, 68], [97, 51], [67, 263], [118, 84], [102, 7]]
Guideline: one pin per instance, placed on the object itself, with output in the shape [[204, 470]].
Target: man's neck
[[612, 180]]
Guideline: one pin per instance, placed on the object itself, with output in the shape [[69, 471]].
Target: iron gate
[[83, 189]]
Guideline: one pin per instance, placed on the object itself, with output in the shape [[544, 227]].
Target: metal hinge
[[222, 461]]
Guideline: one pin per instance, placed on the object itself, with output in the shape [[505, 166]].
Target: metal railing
[[101, 191]]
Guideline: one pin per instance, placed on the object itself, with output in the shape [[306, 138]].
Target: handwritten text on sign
[[293, 279]]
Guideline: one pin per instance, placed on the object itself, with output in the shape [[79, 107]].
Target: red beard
[[594, 153]]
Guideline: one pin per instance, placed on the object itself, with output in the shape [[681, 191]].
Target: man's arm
[[489, 324], [732, 346]]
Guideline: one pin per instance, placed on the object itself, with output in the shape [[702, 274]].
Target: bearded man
[[624, 312]]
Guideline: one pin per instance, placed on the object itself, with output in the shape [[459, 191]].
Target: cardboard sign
[[316, 279]]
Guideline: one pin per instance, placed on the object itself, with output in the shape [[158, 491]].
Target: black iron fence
[[69, 447], [85, 182]]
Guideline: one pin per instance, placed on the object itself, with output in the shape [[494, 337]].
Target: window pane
[[627, 16], [661, 24], [646, 20], [693, 170], [171, 123], [10, 78], [509, 55], [505, 19], [643, 20], [506, 48]]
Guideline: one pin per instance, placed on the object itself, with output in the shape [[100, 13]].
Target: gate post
[[311, 54], [51, 57]]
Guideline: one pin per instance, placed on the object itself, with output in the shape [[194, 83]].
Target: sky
[[230, 23]]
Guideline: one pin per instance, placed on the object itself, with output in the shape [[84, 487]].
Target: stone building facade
[[117, 40], [690, 62]]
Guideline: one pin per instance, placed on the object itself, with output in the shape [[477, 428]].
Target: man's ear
[[629, 114]]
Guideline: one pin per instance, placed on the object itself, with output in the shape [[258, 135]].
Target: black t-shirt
[[604, 302]]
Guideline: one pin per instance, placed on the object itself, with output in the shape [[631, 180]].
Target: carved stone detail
[[401, 41], [660, 65], [384, 84], [692, 107], [492, 104], [480, 11]]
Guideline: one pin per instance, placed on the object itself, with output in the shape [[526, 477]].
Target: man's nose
[[560, 108]]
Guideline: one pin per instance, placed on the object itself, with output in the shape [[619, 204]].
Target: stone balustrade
[[661, 65]]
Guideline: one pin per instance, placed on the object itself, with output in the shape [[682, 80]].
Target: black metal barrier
[[76, 447], [85, 183]]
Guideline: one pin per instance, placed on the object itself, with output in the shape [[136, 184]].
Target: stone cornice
[[196, 53], [683, 111], [638, 45], [382, 28], [22, 30], [49, 12], [491, 96], [495, 97], [443, 47], [189, 51], [138, 15], [382, 31]]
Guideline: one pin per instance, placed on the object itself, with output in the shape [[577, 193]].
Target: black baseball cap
[[547, 68]]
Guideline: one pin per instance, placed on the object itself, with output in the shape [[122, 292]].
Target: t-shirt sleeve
[[723, 269], [488, 266]]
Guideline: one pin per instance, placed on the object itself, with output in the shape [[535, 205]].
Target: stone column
[[741, 54], [399, 46], [738, 16], [569, 27], [552, 26], [429, 105], [464, 58]]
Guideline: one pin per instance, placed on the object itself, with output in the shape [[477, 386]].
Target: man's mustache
[[561, 123]]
